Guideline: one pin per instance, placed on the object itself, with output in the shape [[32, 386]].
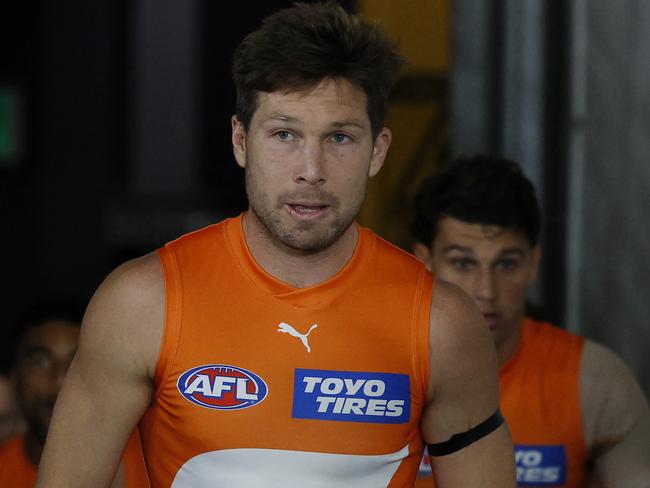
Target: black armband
[[460, 441]]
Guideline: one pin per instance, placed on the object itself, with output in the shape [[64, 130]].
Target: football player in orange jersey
[[44, 347], [288, 346], [11, 421], [45, 343], [571, 404]]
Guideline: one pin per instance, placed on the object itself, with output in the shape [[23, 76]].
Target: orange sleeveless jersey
[[263, 384], [16, 471], [135, 471], [540, 399]]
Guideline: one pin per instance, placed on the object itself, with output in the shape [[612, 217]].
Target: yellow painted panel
[[422, 28]]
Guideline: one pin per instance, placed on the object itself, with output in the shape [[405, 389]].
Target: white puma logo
[[287, 329]]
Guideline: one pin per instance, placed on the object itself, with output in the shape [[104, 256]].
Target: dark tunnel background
[[83, 174]]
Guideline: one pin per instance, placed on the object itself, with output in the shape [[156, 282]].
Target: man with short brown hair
[[288, 346]]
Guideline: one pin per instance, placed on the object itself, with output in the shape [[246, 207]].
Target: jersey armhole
[[421, 318], [172, 322]]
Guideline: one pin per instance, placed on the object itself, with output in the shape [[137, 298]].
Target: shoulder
[[144, 271], [599, 361], [126, 313], [454, 315], [549, 332], [205, 237], [551, 349], [388, 254], [459, 339], [133, 287], [603, 373], [612, 401]]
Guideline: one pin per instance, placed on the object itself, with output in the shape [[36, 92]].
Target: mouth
[[307, 210], [491, 319]]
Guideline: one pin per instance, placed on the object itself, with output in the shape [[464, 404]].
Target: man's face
[[495, 266], [308, 156], [43, 359]]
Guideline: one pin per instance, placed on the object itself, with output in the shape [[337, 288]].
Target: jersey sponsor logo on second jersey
[[351, 396], [222, 387], [539, 465]]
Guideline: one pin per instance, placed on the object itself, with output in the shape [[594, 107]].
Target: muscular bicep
[[109, 384], [463, 392], [616, 420]]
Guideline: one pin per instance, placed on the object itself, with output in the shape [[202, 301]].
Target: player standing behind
[[573, 407], [44, 345]]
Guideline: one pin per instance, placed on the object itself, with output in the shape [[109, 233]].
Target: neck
[[294, 267], [33, 447]]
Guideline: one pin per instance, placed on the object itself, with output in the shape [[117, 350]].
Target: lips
[[307, 209], [491, 318]]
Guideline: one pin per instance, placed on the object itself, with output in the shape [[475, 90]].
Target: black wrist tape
[[460, 441]]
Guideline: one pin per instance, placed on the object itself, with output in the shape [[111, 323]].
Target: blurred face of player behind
[[44, 355], [308, 155], [495, 266]]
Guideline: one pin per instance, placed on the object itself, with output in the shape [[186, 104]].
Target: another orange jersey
[[16, 471], [540, 399], [263, 384], [135, 471]]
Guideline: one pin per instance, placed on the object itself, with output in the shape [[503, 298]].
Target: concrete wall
[[564, 88], [609, 236]]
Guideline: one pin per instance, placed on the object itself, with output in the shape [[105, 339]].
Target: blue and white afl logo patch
[[222, 387], [349, 396], [540, 465]]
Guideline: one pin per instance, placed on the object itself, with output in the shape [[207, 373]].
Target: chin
[[309, 243]]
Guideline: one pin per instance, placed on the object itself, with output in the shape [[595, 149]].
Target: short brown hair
[[297, 47]]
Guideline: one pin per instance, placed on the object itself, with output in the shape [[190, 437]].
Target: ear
[[238, 141], [423, 253], [379, 151]]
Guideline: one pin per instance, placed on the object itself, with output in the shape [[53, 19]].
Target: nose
[[485, 288], [311, 169]]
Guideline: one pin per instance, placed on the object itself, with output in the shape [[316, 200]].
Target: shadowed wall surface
[[610, 178]]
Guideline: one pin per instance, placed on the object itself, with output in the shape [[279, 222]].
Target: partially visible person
[[11, 422], [45, 344], [576, 413]]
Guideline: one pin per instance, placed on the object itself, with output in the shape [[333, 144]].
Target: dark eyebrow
[[282, 118], [347, 123], [335, 125], [515, 250], [457, 247], [506, 252]]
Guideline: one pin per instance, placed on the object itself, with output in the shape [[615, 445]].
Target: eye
[[283, 136], [39, 361], [507, 264], [462, 264], [341, 138]]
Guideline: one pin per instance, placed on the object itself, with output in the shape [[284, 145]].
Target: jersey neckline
[[317, 294]]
